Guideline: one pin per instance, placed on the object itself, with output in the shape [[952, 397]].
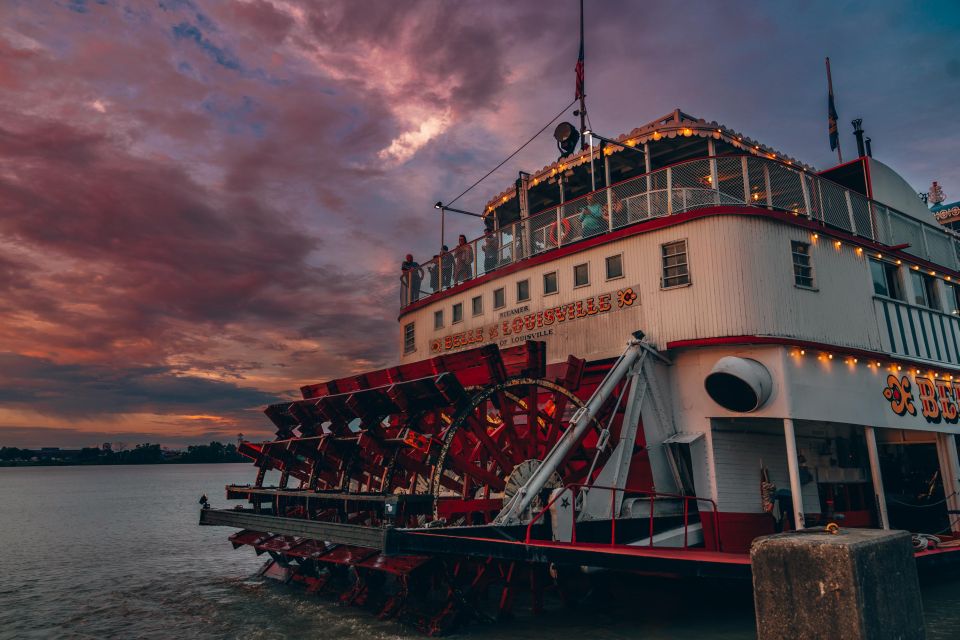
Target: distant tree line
[[146, 453]]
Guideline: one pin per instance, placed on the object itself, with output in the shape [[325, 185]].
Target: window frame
[[453, 313], [925, 286], [409, 338], [606, 263], [797, 266], [476, 301], [503, 297], [892, 274], [525, 281], [686, 264], [556, 283], [586, 266], [438, 316]]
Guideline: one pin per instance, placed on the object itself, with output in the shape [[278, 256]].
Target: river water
[[115, 552]]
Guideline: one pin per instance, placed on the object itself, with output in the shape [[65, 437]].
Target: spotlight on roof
[[567, 137]]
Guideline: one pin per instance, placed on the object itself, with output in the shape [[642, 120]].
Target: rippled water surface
[[115, 552]]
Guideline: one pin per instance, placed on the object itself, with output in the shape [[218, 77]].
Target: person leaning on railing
[[463, 260], [491, 251], [412, 277], [592, 220], [434, 270]]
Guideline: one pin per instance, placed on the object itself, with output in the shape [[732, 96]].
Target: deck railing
[[578, 492], [695, 184]]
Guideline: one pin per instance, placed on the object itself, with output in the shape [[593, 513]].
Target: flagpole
[[830, 91], [583, 84]]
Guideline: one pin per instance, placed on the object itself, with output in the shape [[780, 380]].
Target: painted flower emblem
[[625, 298], [898, 394]]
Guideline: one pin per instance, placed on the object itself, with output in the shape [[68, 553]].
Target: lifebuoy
[[553, 232]]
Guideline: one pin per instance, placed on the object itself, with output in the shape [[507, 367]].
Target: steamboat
[[662, 347]]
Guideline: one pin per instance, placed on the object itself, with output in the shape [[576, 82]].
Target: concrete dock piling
[[855, 584]]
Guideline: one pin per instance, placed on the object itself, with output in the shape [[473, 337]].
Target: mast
[[581, 85]]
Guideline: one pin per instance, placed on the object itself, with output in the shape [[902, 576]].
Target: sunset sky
[[204, 205]]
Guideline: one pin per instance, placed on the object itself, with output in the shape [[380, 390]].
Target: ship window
[[438, 319], [457, 313], [499, 298], [886, 279], [523, 291], [409, 338], [675, 269], [477, 304], [615, 266], [925, 290], [550, 283], [581, 275], [955, 290], [802, 265]]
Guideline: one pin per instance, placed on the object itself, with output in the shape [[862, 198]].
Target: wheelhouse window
[[523, 291], [581, 275], [550, 283], [614, 266], [953, 298], [925, 290], [886, 279], [675, 269], [802, 264], [457, 313], [409, 338], [477, 304], [438, 319], [499, 298]]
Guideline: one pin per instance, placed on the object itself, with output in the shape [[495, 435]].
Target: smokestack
[[858, 134], [869, 150]]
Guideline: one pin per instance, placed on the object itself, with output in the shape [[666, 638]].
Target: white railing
[[705, 182]]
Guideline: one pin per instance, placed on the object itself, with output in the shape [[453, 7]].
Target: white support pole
[[793, 466], [606, 183], [669, 191], [950, 473], [766, 185], [879, 496], [714, 177], [746, 179], [647, 170]]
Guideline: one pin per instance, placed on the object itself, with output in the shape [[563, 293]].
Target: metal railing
[[694, 184], [650, 496]]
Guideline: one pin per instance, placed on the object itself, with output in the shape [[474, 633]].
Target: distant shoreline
[[64, 463]]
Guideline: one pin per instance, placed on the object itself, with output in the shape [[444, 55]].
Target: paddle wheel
[[440, 443]]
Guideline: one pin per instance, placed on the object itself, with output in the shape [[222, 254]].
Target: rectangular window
[[409, 338], [523, 291], [802, 265], [499, 298], [674, 259], [477, 304], [581, 275], [615, 266], [438, 319], [550, 283], [457, 313], [954, 298], [925, 290], [886, 279]]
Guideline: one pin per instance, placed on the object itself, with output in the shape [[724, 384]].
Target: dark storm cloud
[[82, 391]]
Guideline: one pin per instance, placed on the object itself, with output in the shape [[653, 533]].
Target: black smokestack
[[858, 134], [866, 141]]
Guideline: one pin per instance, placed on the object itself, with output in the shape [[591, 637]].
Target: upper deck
[[768, 206]]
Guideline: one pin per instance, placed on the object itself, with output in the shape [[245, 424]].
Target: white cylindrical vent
[[739, 384]]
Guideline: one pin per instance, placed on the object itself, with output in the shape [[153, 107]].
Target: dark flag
[[579, 68], [832, 114]]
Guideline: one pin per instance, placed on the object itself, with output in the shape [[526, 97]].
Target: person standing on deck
[[491, 250], [413, 276], [463, 260], [434, 270], [447, 267], [592, 220]]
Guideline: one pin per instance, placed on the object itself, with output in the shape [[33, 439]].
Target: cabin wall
[[742, 284]]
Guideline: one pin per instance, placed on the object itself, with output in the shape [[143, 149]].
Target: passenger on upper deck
[[491, 250], [434, 270], [412, 277], [447, 268], [592, 220], [463, 260]]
